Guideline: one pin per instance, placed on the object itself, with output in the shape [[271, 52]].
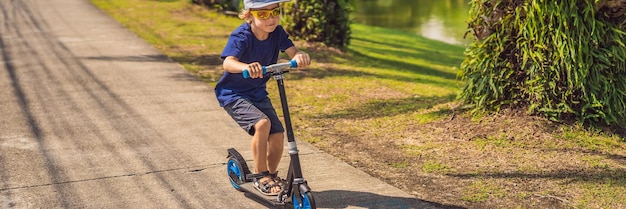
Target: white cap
[[255, 4]]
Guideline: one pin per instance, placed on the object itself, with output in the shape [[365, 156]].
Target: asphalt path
[[91, 116]]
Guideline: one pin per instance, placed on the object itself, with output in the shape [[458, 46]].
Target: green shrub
[[561, 59], [224, 5], [324, 21]]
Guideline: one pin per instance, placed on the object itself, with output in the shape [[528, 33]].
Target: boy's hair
[[245, 15]]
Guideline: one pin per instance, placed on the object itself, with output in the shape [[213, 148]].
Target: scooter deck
[[248, 188]]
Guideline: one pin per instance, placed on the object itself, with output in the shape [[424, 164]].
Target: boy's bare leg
[[275, 151], [260, 150], [259, 145]]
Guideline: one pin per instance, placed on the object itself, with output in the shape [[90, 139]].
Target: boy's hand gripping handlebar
[[273, 68]]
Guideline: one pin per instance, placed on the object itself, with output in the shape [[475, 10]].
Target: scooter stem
[[291, 141]]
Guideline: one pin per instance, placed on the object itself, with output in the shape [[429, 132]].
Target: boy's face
[[266, 18]]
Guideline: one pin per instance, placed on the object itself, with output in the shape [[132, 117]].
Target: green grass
[[432, 166], [481, 191], [590, 140], [190, 35]]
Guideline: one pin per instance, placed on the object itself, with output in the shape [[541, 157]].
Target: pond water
[[444, 20]]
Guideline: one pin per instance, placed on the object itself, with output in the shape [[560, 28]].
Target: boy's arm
[[233, 65], [301, 57]]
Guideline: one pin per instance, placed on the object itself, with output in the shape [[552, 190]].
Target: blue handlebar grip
[[294, 64], [246, 73]]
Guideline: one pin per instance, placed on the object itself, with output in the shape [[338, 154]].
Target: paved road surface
[[93, 117]]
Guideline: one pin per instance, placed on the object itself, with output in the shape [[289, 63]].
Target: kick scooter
[[296, 187]]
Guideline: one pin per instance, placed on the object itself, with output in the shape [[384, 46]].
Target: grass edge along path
[[387, 106]]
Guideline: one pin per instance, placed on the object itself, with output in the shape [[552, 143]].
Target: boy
[[253, 44]]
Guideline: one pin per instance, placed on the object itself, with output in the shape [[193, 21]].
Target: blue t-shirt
[[243, 45]]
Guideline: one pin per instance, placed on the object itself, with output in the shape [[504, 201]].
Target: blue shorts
[[247, 113]]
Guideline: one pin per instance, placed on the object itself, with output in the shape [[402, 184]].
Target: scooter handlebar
[[272, 68]]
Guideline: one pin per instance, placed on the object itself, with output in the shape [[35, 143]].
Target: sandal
[[265, 187], [277, 179]]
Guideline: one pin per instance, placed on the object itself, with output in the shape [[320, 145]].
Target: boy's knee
[[279, 135], [263, 125]]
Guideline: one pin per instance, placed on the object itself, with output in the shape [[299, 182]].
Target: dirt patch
[[507, 160]]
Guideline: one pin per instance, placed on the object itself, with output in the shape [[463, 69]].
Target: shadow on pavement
[[345, 199]]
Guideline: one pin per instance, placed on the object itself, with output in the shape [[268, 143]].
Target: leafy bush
[[561, 59], [325, 21]]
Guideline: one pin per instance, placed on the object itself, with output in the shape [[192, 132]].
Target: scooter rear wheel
[[236, 174]]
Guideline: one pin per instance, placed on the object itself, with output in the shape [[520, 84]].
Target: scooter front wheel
[[305, 201]]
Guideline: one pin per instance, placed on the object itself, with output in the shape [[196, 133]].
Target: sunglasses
[[265, 14]]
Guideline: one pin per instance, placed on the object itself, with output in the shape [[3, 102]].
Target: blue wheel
[[305, 201], [235, 173]]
